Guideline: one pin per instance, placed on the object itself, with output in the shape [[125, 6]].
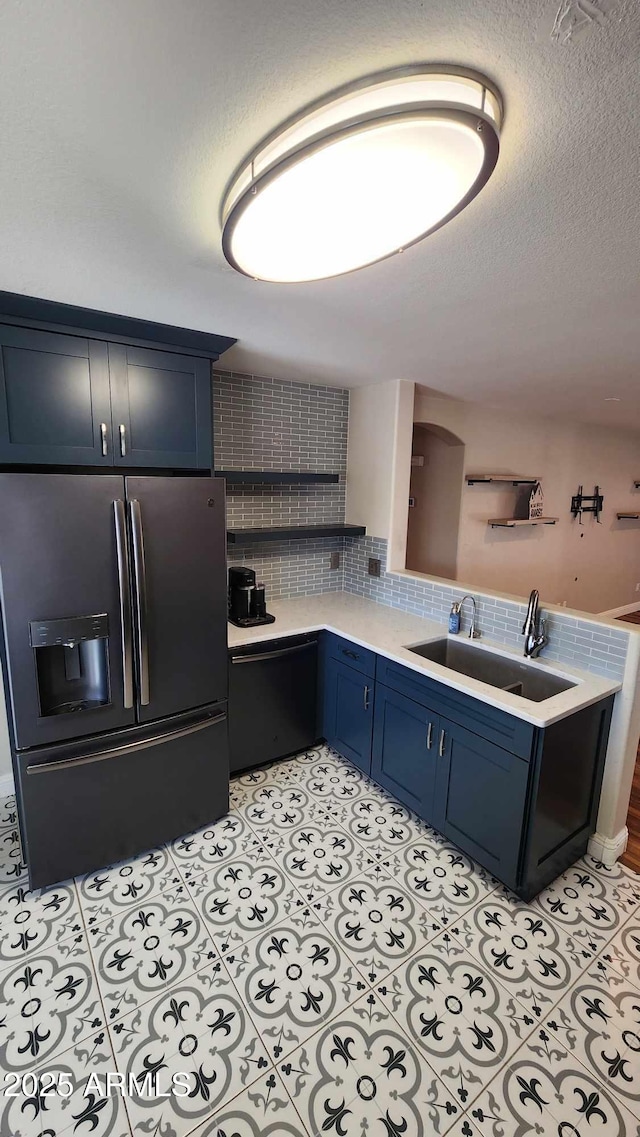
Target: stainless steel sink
[[507, 674]]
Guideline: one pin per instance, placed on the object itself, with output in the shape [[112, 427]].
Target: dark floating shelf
[[276, 477], [512, 522], [505, 479], [293, 533]]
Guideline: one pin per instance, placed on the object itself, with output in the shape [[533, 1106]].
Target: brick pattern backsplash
[[293, 568], [252, 506], [269, 424], [581, 643]]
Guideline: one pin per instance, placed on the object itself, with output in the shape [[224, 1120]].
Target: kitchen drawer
[[346, 651], [508, 731]]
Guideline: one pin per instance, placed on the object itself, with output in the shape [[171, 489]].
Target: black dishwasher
[[272, 699]]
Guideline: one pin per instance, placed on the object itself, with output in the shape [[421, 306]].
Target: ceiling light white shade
[[362, 175]]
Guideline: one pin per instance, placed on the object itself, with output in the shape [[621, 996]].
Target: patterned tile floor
[[318, 962]]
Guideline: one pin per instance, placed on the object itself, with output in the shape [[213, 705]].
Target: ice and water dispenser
[[72, 663]]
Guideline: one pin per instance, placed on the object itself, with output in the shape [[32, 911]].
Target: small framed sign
[[529, 503], [536, 502]]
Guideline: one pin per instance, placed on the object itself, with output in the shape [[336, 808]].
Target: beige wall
[[436, 486], [590, 567]]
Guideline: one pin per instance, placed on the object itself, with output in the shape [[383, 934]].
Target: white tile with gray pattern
[[319, 961]]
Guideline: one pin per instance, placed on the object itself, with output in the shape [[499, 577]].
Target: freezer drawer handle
[[126, 627], [119, 751], [141, 600], [260, 656]]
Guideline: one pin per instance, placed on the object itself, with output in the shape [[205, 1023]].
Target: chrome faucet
[[474, 633], [533, 628]]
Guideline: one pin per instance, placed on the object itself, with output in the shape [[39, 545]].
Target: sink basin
[[507, 674]]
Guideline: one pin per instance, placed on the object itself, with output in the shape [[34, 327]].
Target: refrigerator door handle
[[140, 599], [128, 748], [126, 622]]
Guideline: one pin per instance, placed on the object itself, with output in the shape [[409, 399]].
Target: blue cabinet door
[[161, 408], [54, 399], [405, 739], [480, 799], [348, 712]]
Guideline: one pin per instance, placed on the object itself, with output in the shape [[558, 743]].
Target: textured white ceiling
[[121, 121]]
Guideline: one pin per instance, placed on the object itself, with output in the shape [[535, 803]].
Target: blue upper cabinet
[[54, 399], [161, 408], [69, 400]]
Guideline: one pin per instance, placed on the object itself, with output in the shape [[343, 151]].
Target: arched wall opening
[[437, 478]]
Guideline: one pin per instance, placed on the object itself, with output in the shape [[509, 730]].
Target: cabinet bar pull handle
[[123, 444], [350, 654], [429, 735], [103, 438], [441, 743], [366, 698]]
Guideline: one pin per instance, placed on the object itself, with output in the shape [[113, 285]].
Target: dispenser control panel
[[76, 629]]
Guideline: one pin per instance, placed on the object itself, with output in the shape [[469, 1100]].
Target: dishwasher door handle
[[279, 654]]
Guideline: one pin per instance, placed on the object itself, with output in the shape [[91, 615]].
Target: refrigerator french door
[[113, 597]]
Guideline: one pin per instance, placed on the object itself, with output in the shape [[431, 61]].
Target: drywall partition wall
[[590, 567], [378, 467], [261, 423], [371, 443]]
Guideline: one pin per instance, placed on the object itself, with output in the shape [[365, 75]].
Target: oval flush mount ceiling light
[[356, 177]]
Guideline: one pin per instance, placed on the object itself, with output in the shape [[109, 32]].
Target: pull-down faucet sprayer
[[533, 628]]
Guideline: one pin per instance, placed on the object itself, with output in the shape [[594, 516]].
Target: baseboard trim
[[608, 849], [613, 613]]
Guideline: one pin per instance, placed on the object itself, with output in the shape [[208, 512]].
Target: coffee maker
[[247, 604]]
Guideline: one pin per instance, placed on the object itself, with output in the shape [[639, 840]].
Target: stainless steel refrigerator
[[113, 602]]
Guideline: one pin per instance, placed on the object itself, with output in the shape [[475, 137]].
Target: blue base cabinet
[[519, 799], [348, 713], [405, 741], [480, 799]]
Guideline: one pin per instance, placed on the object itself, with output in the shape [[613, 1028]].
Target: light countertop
[[388, 631]]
